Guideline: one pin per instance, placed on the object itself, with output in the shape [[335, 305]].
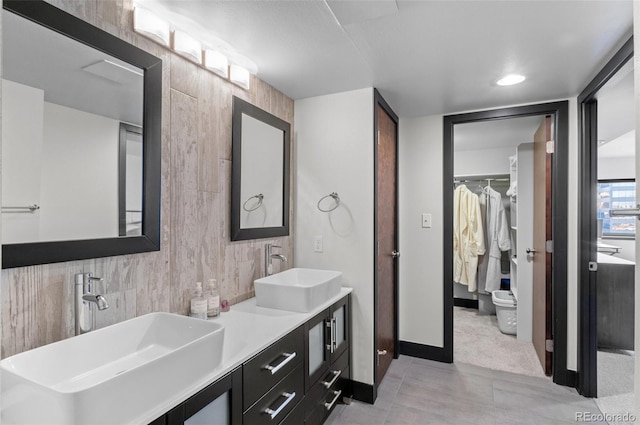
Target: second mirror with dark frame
[[260, 173]]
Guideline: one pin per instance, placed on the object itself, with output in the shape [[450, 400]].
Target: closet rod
[[457, 181]]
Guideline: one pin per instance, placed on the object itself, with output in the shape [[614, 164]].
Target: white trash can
[[506, 311]]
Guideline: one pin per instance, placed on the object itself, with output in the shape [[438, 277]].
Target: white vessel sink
[[300, 290], [112, 375]]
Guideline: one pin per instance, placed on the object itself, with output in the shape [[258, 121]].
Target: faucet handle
[[90, 280]]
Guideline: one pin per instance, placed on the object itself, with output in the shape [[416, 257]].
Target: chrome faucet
[[269, 256], [86, 299]]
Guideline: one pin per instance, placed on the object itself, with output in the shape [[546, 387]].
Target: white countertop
[[249, 329]]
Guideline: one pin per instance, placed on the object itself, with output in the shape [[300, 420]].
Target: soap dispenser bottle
[[198, 303], [213, 299]]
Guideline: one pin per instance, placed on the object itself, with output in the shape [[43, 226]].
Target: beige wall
[[37, 305]]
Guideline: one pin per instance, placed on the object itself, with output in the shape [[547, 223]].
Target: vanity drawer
[[327, 401], [270, 366], [328, 390], [279, 401]]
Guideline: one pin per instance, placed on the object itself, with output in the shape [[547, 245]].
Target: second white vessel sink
[[111, 375], [300, 290]]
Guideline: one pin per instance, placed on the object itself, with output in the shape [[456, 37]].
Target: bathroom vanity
[[278, 367], [252, 365]]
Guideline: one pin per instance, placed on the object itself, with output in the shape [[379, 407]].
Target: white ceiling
[[38, 57], [425, 57]]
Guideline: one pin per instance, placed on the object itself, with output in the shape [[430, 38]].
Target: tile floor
[[421, 392], [615, 382]]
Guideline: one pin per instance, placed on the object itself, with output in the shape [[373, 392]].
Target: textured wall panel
[[37, 302]]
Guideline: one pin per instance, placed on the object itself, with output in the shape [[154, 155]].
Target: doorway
[[385, 237], [607, 257], [558, 322], [500, 317]]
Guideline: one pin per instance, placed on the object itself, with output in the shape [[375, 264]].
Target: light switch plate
[[317, 244], [426, 220]]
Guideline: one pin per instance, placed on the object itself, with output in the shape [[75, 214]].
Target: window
[[616, 194]]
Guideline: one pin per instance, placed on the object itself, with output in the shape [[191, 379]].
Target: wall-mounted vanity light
[[240, 76], [216, 62], [187, 46], [151, 26]]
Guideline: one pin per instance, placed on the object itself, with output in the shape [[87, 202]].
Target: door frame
[[378, 100], [560, 111], [587, 384]]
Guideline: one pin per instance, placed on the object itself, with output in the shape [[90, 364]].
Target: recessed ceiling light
[[510, 80]]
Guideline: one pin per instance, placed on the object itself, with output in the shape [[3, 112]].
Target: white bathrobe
[[468, 236], [497, 240]]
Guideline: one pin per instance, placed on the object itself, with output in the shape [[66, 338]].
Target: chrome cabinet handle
[[331, 324], [275, 369], [334, 332], [336, 396], [336, 374], [274, 413]]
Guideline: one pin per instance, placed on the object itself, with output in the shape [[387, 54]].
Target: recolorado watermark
[[605, 417]]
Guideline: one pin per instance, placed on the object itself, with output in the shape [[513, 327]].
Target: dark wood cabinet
[[218, 404], [327, 364], [274, 406], [327, 337], [271, 365]]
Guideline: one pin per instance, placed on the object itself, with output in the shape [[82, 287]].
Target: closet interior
[[493, 229]]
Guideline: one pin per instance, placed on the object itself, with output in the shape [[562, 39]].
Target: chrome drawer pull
[[336, 374], [274, 369], [336, 395], [274, 413]]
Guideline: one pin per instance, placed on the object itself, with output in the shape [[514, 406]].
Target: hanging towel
[[498, 240], [468, 236]]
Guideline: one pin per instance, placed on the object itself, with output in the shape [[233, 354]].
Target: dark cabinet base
[[616, 298]]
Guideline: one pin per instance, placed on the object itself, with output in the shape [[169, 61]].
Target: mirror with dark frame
[[260, 173], [80, 140]]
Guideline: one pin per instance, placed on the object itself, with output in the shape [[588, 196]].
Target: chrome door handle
[[334, 334], [382, 352], [632, 212], [530, 251], [395, 254]]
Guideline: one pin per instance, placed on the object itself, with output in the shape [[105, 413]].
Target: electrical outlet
[[317, 244], [426, 220]]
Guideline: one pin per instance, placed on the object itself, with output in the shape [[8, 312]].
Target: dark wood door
[[386, 244], [542, 178]]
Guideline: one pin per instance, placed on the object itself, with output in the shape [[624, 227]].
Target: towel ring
[[260, 197], [335, 197]]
